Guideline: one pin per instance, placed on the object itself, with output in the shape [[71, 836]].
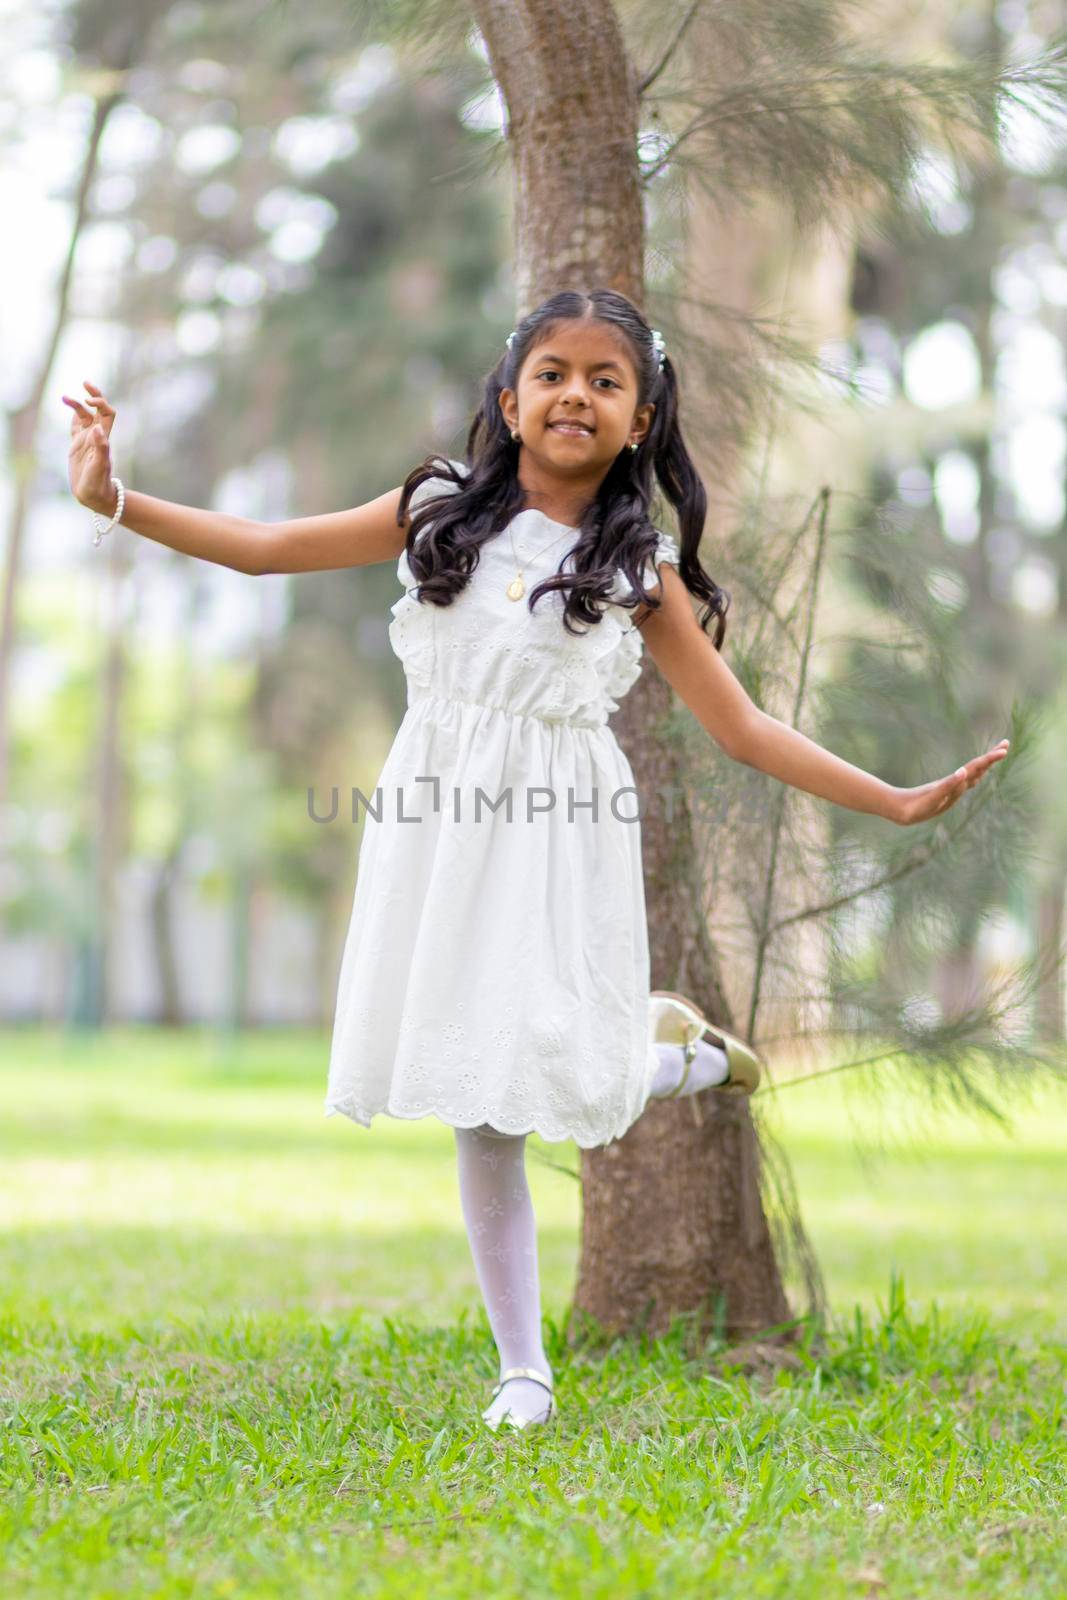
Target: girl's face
[[576, 404]]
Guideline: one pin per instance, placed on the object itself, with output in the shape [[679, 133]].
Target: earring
[[515, 433], [634, 444]]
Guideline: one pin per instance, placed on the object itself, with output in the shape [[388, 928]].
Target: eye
[[550, 372]]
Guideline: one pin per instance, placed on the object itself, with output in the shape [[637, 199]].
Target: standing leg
[[499, 1215]]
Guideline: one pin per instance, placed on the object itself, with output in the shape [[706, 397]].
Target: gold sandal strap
[[680, 1086], [524, 1372], [689, 1050]]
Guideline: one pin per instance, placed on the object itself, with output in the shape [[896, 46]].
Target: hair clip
[[510, 340]]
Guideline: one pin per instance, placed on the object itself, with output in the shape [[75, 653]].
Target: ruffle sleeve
[[624, 646], [666, 550], [412, 629]]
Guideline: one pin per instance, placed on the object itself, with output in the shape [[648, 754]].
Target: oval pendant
[[516, 589]]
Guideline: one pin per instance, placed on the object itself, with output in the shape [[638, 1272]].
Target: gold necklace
[[516, 588]]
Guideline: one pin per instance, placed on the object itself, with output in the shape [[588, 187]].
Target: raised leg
[[708, 1067]]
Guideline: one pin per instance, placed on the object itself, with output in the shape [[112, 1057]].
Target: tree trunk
[[572, 135], [166, 910], [118, 41], [750, 260], [23, 423], [241, 910], [170, 1013], [956, 978], [1051, 933], [697, 1239], [112, 795]]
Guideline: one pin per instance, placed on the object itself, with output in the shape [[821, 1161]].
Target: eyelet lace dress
[[496, 967]]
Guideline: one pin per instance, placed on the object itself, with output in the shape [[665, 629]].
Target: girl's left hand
[[931, 799]]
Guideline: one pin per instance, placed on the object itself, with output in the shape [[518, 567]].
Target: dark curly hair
[[615, 532]]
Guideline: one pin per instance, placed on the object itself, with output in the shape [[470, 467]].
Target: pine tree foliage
[[889, 899], [817, 108]]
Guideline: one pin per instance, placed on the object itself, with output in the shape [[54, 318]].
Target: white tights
[[502, 1231], [499, 1216]]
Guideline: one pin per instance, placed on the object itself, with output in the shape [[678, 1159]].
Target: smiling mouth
[[576, 428]]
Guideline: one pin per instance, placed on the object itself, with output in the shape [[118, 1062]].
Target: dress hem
[[333, 1109]]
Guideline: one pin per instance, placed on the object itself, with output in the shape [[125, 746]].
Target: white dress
[[496, 970]]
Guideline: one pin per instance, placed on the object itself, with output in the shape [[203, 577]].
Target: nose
[[575, 395]]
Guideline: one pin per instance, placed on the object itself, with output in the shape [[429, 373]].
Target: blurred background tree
[[287, 246], [303, 256]]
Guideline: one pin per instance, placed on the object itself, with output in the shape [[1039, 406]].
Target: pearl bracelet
[[99, 524]]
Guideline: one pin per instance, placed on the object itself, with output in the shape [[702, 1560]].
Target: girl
[[496, 969]]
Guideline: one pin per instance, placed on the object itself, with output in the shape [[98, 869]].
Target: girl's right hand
[[89, 461]]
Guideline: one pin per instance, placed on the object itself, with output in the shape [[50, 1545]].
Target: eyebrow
[[561, 363]]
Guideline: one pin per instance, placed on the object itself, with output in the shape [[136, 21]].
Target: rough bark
[[672, 1218], [572, 136], [672, 1214]]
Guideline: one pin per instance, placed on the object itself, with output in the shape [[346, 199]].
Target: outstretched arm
[[781, 751], [694, 668], [354, 538]]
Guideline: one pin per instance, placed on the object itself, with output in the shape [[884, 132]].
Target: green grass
[[242, 1353]]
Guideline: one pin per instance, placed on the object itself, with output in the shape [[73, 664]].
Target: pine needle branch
[[764, 930], [645, 83], [943, 838]]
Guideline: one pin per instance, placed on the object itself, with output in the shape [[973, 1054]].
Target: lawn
[[242, 1353]]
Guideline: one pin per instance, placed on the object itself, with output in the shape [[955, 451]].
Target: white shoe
[[676, 1020], [518, 1423]]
